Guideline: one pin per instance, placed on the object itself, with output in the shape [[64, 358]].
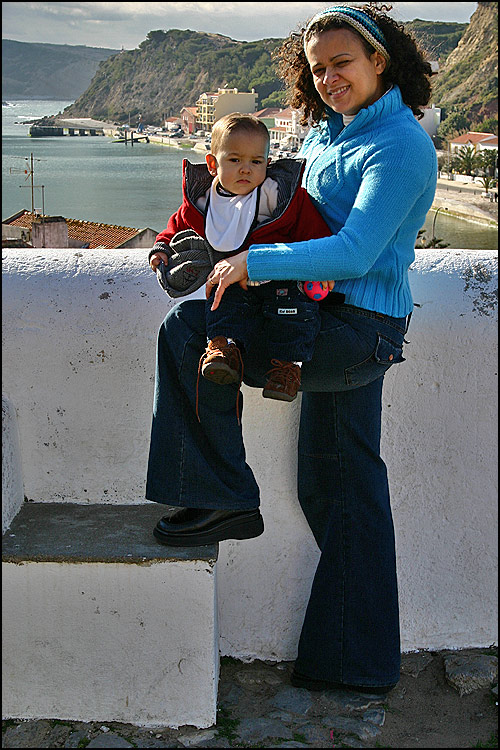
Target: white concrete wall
[[104, 642], [12, 478], [439, 442], [79, 356]]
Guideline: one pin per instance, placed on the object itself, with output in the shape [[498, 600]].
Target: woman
[[371, 171]]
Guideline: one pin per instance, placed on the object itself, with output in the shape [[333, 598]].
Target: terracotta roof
[[285, 114], [491, 141], [95, 233], [268, 112], [474, 137]]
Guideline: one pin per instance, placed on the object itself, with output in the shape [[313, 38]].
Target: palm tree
[[487, 182], [489, 160], [467, 160], [423, 243]]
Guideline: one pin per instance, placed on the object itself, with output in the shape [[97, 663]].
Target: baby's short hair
[[236, 123]]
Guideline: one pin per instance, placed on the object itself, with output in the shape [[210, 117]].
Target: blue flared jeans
[[350, 632]]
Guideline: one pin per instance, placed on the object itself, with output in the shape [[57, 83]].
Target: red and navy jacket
[[295, 217]]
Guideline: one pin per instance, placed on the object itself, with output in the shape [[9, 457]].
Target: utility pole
[[32, 186]]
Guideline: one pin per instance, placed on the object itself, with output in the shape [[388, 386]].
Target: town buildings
[[282, 123]]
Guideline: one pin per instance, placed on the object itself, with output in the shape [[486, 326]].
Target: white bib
[[229, 219]]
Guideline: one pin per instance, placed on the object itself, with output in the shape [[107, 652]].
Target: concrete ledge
[[71, 533], [464, 207], [101, 623]]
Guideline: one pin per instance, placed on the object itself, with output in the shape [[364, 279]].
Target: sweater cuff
[[276, 262], [158, 247]]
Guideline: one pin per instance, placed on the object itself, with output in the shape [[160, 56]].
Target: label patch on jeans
[[287, 311], [281, 292]]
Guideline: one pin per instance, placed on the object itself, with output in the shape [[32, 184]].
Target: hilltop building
[[25, 229], [172, 123], [268, 115], [431, 119]]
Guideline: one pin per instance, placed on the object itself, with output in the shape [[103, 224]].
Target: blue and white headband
[[359, 20]]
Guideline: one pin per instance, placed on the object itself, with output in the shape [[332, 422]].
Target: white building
[[431, 119], [287, 130], [210, 107], [479, 141]]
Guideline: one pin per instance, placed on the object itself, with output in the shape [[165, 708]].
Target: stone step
[[100, 622]]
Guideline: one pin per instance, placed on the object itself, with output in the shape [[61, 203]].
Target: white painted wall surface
[[79, 337], [79, 357], [12, 481], [439, 441], [104, 642]]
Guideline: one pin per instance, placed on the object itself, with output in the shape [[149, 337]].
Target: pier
[[132, 138], [73, 126]]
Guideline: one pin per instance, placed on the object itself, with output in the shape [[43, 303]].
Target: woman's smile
[[337, 93]]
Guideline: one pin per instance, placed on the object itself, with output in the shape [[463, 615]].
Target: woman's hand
[[155, 260], [227, 272]]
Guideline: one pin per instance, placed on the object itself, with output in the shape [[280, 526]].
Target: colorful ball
[[315, 291]]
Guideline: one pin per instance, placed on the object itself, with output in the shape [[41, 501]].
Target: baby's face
[[241, 162]]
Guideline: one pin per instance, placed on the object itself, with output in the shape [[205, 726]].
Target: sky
[[115, 25]]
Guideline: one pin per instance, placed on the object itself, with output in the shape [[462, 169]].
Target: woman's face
[[346, 79]]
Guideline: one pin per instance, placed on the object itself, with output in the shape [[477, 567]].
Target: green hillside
[[170, 69], [48, 71], [467, 85], [438, 38]]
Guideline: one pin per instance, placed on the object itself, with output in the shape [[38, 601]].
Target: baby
[[241, 200]]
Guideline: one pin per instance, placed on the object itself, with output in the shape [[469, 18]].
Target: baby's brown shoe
[[221, 362], [283, 381]]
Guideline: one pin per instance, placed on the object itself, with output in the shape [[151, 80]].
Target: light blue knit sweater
[[373, 181]]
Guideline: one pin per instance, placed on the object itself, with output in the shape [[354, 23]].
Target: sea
[[94, 179], [88, 177]]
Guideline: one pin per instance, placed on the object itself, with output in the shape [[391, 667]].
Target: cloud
[[117, 24], [457, 12]]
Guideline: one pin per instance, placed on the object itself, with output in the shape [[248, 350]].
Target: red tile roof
[[268, 112], [285, 114], [473, 137], [96, 234]]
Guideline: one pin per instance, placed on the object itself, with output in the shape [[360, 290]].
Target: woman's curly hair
[[407, 68]]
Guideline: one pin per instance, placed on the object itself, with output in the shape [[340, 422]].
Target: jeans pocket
[[385, 354]]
